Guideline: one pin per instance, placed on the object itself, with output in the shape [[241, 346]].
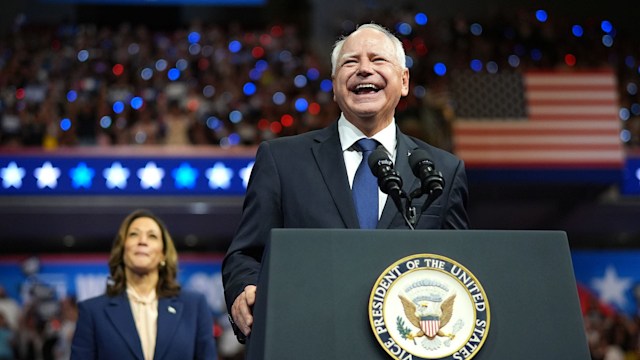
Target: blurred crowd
[[229, 84], [42, 328]]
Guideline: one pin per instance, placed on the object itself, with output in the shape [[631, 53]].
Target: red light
[[117, 69], [193, 105], [257, 52], [203, 64], [263, 124], [265, 39], [314, 108], [570, 60], [286, 120], [276, 31], [275, 127], [20, 94]]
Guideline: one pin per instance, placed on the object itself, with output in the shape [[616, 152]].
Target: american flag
[[537, 119]]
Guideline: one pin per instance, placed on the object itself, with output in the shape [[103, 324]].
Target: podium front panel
[[314, 290]]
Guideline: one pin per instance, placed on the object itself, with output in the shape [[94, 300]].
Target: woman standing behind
[[144, 314]]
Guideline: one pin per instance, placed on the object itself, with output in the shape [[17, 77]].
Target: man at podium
[[325, 178]]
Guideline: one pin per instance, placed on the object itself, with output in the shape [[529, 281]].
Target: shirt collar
[[349, 134]]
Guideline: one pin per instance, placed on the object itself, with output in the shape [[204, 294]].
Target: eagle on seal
[[429, 321]]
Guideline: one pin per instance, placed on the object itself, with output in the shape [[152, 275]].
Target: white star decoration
[[47, 175], [219, 176], [612, 288], [12, 175], [245, 174], [116, 176], [151, 176]]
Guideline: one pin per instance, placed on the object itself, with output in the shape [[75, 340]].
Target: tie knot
[[366, 145]]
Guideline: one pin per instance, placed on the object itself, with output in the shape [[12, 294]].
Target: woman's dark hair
[[167, 282]]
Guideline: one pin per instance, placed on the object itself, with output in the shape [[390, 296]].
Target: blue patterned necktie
[[365, 187]]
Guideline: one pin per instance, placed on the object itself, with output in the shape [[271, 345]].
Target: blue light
[[146, 74], [83, 55], [65, 124], [300, 81], [419, 91], [635, 109], [194, 37], [536, 54], [255, 74], [208, 91], [606, 26], [541, 15], [302, 105], [234, 139], [81, 176], [440, 69], [632, 88], [404, 28], [262, 65], [105, 122], [214, 123], [607, 40], [185, 176], [72, 96], [476, 65], [326, 85], [249, 89], [279, 98], [514, 61], [408, 61], [136, 103], [625, 135], [630, 61], [235, 116], [624, 114], [194, 49], [313, 74], [577, 30], [173, 74], [492, 67], [285, 56], [161, 65], [476, 29], [235, 46], [421, 19], [118, 107], [182, 64]]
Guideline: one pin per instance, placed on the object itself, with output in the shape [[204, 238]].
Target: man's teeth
[[366, 87]]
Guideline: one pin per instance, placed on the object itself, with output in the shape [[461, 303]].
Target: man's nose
[[365, 67]]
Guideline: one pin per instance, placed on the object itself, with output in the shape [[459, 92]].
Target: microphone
[[388, 179], [431, 181]]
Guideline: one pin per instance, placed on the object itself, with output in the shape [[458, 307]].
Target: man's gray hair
[[399, 53]]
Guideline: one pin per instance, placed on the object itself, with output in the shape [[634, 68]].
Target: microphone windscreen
[[375, 156], [416, 157]]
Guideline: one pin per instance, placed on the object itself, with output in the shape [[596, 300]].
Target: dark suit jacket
[[106, 329], [301, 182]]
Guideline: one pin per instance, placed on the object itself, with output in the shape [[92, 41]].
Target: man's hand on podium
[[242, 309]]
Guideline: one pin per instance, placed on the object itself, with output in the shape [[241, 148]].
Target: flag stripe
[[571, 120]]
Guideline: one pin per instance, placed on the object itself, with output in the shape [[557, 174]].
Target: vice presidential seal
[[428, 306]]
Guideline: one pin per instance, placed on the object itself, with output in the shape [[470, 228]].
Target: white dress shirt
[[349, 134]]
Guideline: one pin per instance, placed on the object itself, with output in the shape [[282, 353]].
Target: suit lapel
[[169, 314], [328, 154], [119, 313], [410, 182]]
